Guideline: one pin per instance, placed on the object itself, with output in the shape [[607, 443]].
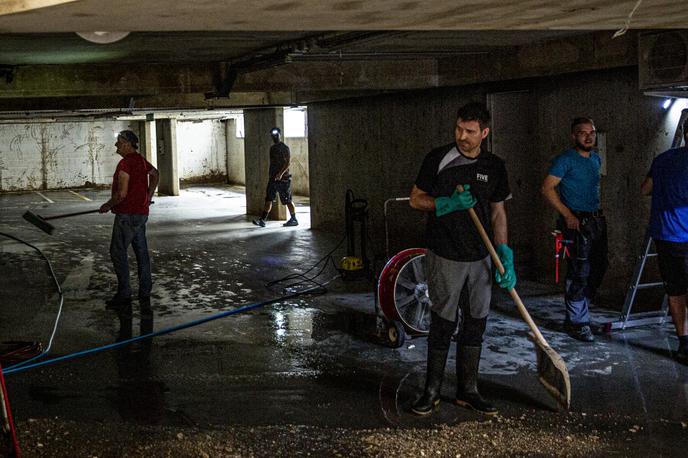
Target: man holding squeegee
[[133, 185], [452, 179], [576, 174]]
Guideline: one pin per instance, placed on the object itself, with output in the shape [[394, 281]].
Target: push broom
[[551, 369], [43, 224]]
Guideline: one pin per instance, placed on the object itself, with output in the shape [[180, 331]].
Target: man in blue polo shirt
[[667, 182], [576, 174]]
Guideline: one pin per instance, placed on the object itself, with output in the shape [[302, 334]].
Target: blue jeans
[[130, 229], [587, 265]]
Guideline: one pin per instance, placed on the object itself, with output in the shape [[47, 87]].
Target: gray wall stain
[[94, 148]]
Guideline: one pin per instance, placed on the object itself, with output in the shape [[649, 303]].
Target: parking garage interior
[[262, 341]]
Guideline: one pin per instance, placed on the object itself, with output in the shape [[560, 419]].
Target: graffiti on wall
[[57, 155]]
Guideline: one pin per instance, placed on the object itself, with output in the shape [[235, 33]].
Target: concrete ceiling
[[186, 54], [319, 15], [186, 47]]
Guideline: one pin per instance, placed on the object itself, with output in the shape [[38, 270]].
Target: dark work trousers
[[587, 264], [130, 229]]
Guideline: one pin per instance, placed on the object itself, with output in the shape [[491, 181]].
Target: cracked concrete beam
[[179, 84], [20, 6]]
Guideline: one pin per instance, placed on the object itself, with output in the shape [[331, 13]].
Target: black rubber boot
[[433, 383], [467, 395]]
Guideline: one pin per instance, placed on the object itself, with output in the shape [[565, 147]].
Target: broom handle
[[512, 292], [71, 214], [79, 213]]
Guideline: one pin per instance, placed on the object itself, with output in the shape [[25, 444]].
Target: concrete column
[[148, 146], [257, 143], [166, 135]]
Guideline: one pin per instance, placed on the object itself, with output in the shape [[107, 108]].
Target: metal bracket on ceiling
[[287, 52], [224, 76], [225, 73]]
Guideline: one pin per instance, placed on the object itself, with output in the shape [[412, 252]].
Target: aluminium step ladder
[[627, 319]]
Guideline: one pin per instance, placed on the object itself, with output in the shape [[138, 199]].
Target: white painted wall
[[73, 154], [298, 166], [236, 167], [202, 149], [59, 154]]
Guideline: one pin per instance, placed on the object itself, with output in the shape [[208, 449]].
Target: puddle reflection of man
[[667, 182], [140, 396], [456, 256]]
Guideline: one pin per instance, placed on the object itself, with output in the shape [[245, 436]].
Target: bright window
[[240, 126], [295, 122]]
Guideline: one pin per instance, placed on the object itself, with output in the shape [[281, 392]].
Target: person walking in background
[[279, 181]]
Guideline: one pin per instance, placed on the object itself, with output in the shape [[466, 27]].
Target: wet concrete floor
[[312, 360]]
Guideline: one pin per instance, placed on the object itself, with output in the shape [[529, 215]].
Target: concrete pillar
[[257, 143], [166, 135], [148, 140]]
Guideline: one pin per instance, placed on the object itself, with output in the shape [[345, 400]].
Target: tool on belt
[[561, 250]]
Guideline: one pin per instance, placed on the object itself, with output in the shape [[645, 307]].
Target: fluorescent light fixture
[[102, 37], [667, 103]]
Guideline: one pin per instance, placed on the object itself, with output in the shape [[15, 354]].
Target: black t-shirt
[[279, 155], [454, 236]]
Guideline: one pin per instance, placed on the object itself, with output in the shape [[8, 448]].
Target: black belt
[[594, 214]]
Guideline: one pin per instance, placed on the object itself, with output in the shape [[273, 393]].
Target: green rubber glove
[[457, 201], [508, 280]]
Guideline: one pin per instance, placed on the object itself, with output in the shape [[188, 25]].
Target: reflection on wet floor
[[140, 397]]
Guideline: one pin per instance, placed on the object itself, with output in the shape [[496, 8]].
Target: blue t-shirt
[[669, 214], [579, 188]]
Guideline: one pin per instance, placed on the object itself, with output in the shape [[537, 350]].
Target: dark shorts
[[283, 188], [673, 266]]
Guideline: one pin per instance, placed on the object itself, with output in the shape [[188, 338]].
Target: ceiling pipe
[[382, 55]]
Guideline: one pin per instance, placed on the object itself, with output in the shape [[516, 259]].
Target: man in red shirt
[[133, 185]]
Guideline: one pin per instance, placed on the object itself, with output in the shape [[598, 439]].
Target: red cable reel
[[403, 294]]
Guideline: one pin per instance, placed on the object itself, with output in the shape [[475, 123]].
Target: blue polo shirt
[[579, 188], [669, 213]]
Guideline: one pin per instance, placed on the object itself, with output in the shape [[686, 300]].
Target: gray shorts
[[446, 279]]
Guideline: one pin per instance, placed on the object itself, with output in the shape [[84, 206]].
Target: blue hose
[[190, 324]]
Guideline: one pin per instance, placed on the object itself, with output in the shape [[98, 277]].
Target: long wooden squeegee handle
[[512, 292]]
